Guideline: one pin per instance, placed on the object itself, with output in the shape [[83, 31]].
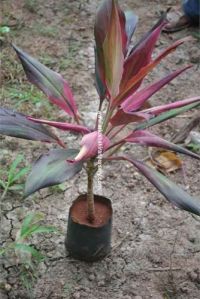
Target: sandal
[[173, 26]]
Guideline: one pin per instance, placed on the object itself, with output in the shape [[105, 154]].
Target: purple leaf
[[16, 124], [52, 169], [143, 137], [170, 190], [136, 101], [50, 82], [62, 126]]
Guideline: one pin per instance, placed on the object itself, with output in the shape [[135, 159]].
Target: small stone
[[77, 295], [7, 287], [194, 55], [193, 276], [101, 283], [192, 239], [91, 277], [137, 297]]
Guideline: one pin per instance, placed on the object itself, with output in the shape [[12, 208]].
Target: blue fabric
[[191, 9]]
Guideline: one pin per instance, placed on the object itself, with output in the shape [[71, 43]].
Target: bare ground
[[156, 247]]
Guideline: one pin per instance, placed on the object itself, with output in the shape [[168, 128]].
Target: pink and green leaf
[[113, 52], [17, 125], [136, 101], [146, 138], [167, 115], [50, 82], [178, 104], [52, 169], [62, 125], [173, 193], [102, 27]]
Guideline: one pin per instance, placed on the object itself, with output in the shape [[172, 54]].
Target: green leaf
[[20, 174], [4, 29], [29, 220], [17, 187], [164, 116], [52, 169], [13, 167], [41, 229], [2, 251], [29, 249]]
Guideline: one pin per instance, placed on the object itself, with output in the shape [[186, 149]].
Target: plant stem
[[90, 194], [5, 192], [107, 118]]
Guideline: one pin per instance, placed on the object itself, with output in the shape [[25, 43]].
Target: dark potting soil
[[79, 212]]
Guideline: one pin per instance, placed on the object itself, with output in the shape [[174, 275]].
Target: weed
[[26, 256], [12, 176]]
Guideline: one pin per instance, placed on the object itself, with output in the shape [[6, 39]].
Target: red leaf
[[62, 126], [135, 101], [113, 52], [123, 118], [144, 71], [140, 56]]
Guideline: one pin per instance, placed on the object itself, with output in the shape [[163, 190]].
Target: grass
[[70, 58], [26, 98], [10, 178], [45, 30], [31, 5]]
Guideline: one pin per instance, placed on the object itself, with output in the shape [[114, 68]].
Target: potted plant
[[123, 116]]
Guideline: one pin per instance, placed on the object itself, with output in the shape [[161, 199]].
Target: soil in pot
[[89, 241]]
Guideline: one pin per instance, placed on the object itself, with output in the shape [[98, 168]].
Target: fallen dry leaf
[[165, 161]]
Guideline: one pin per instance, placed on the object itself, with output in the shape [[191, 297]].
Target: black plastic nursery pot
[[89, 241]]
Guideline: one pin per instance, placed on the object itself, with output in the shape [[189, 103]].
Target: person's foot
[[174, 26]]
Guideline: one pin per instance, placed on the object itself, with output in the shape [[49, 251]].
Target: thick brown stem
[[90, 194]]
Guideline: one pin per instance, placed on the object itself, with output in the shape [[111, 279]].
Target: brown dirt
[[155, 247], [79, 213]]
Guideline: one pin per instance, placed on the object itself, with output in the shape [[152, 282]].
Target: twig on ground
[[162, 269], [184, 131]]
